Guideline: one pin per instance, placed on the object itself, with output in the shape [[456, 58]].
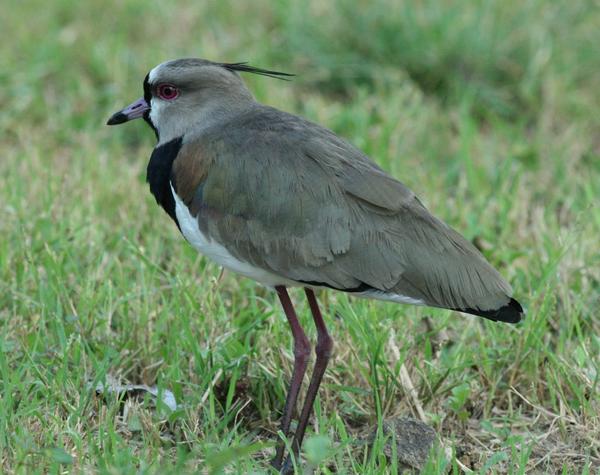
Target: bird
[[287, 202]]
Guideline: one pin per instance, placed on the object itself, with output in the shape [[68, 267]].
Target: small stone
[[413, 438]]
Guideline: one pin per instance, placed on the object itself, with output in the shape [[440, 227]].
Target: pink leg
[[323, 351], [301, 355]]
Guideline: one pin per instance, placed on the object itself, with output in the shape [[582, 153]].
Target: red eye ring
[[167, 92]]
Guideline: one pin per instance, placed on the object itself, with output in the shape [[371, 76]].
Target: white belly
[[218, 253]]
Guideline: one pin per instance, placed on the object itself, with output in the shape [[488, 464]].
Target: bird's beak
[[132, 111]]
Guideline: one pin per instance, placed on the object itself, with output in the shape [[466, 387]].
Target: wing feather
[[293, 198]]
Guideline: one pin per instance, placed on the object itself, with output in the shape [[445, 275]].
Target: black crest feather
[[246, 68]]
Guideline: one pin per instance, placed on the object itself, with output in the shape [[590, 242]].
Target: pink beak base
[[132, 111]]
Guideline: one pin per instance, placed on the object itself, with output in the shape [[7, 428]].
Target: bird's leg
[[301, 355], [323, 351]]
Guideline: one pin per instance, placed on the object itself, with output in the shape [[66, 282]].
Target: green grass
[[489, 111]]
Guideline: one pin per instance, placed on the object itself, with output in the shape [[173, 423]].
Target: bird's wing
[[293, 198]]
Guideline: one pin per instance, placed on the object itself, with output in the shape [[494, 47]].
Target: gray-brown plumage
[[287, 202], [289, 196]]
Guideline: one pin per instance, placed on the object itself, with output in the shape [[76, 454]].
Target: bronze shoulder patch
[[189, 171]]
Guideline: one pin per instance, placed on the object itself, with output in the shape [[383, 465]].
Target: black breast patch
[[158, 175]]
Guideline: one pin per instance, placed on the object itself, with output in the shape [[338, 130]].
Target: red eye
[[167, 92]]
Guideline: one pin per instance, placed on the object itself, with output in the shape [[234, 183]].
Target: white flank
[[216, 252], [382, 295]]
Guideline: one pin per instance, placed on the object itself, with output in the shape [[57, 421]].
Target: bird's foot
[[275, 463], [288, 467]]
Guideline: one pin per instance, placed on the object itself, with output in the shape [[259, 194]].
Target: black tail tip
[[512, 312]]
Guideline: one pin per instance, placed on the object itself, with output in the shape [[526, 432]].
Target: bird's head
[[186, 93]]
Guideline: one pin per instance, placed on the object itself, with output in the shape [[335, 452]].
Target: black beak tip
[[117, 118]]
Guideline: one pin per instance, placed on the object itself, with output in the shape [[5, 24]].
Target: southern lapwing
[[288, 203]]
